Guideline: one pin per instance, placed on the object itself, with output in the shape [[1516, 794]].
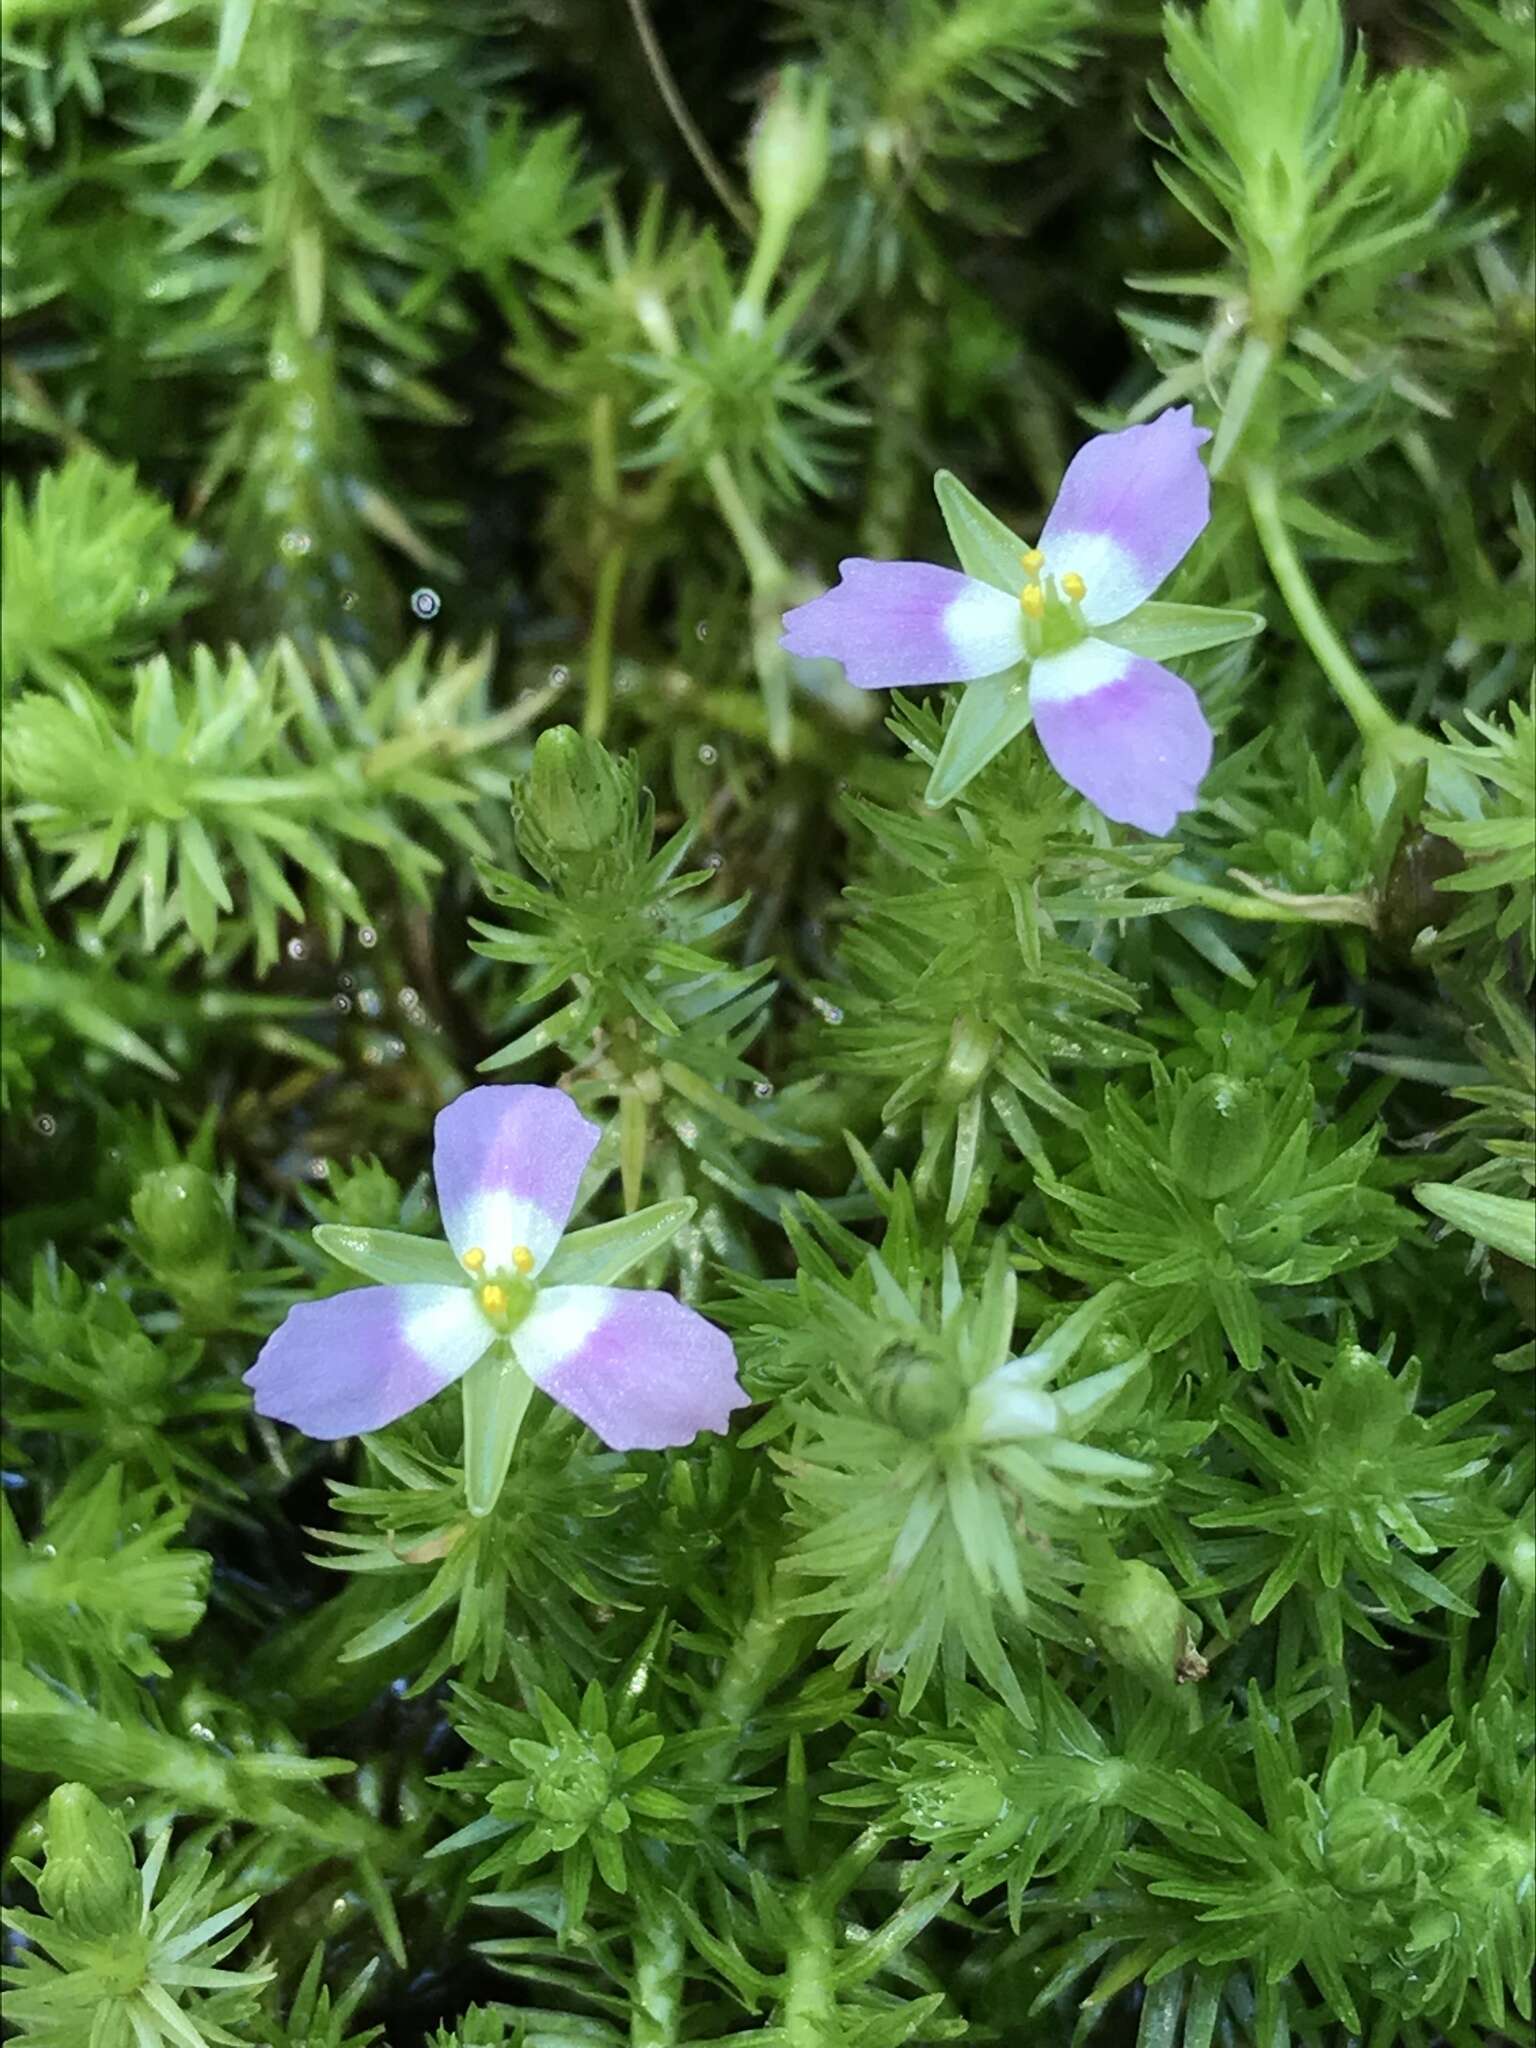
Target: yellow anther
[[474, 1258], [493, 1299], [1033, 560], [522, 1259], [1073, 586], [1032, 598]]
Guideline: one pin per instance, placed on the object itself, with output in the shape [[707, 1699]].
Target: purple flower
[[1127, 733], [639, 1368]]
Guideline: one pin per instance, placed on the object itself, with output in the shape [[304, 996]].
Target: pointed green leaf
[[1158, 632], [601, 1255], [990, 714], [495, 1395], [1503, 1222], [985, 547], [392, 1256]]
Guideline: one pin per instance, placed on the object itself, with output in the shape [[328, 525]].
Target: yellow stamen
[[474, 1258], [522, 1259], [1032, 598], [1033, 560], [1074, 587], [493, 1299]]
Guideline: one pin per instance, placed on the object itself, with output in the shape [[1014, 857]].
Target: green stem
[[772, 239], [1312, 622], [757, 551], [809, 2016], [746, 1678], [660, 1953], [1231, 902], [610, 578], [614, 552]]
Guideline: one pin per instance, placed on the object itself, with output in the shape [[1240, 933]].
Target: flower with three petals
[[640, 1368], [1117, 726]]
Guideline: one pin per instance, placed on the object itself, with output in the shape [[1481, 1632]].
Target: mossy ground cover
[[1110, 1619]]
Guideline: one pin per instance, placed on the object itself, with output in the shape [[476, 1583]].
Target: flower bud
[[971, 1046], [967, 1801], [573, 797], [365, 1195], [182, 1217], [90, 1879], [787, 152], [915, 1392], [1219, 1134], [1372, 1845], [1139, 1622], [1413, 135], [1519, 1560]]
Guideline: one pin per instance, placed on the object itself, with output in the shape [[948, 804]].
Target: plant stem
[[613, 551], [1231, 902], [809, 2017], [610, 578], [745, 1680], [660, 1954], [757, 551], [1312, 622]]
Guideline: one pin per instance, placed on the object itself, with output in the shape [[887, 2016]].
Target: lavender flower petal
[[1127, 733], [892, 623], [356, 1361], [1130, 508], [507, 1162], [640, 1369]]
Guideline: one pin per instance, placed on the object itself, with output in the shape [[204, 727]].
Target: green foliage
[[101, 1585], [1500, 875], [139, 1966], [972, 996], [1111, 1622], [631, 937], [568, 1780], [1292, 1204], [1356, 1492], [1354, 1872], [89, 565], [245, 770], [934, 1476], [88, 1378]]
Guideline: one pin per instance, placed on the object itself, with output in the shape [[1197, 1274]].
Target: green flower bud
[[971, 1046], [1519, 1560], [1219, 1134], [1372, 1846], [1413, 134], [1138, 1621], [182, 1217], [364, 1195], [573, 797], [968, 1801], [1361, 1404], [918, 1394], [573, 1789], [787, 153], [90, 1880]]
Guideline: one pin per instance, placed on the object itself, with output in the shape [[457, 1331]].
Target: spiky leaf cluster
[[1211, 1205], [935, 1471], [1352, 1500], [235, 769], [966, 993], [568, 1780], [136, 1962], [631, 938]]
